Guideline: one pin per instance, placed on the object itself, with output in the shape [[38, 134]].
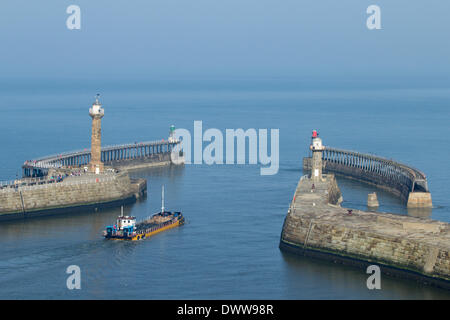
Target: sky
[[157, 39]]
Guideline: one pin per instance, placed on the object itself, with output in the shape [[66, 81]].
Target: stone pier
[[316, 225], [87, 178], [88, 191]]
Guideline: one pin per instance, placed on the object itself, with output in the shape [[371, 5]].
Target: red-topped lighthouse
[[317, 149]]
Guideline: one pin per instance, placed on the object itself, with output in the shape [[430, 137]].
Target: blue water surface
[[229, 247]]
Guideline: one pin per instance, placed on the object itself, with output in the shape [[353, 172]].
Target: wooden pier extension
[[133, 155], [402, 180]]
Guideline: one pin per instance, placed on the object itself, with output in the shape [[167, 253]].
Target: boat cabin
[[126, 222]]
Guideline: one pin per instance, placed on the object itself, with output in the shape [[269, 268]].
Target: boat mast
[[162, 200]]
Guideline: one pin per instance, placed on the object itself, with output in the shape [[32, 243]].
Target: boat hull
[[147, 233]]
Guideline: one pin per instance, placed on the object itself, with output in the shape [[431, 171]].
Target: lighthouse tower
[[97, 113], [172, 134], [317, 149]]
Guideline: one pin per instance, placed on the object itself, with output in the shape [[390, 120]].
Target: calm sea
[[229, 247]]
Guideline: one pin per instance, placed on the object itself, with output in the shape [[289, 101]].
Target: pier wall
[[401, 245], [72, 192]]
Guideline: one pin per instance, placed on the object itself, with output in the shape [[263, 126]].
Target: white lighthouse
[[317, 149], [172, 137], [96, 112]]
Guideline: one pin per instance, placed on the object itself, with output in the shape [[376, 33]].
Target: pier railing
[[375, 170], [109, 154]]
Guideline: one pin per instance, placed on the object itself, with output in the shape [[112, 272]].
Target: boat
[[126, 227]]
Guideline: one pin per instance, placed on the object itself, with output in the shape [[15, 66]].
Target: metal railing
[[372, 167], [417, 173], [81, 156]]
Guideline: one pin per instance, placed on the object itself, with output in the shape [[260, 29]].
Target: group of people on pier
[[40, 181]]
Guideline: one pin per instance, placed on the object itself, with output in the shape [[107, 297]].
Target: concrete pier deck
[[316, 225]]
